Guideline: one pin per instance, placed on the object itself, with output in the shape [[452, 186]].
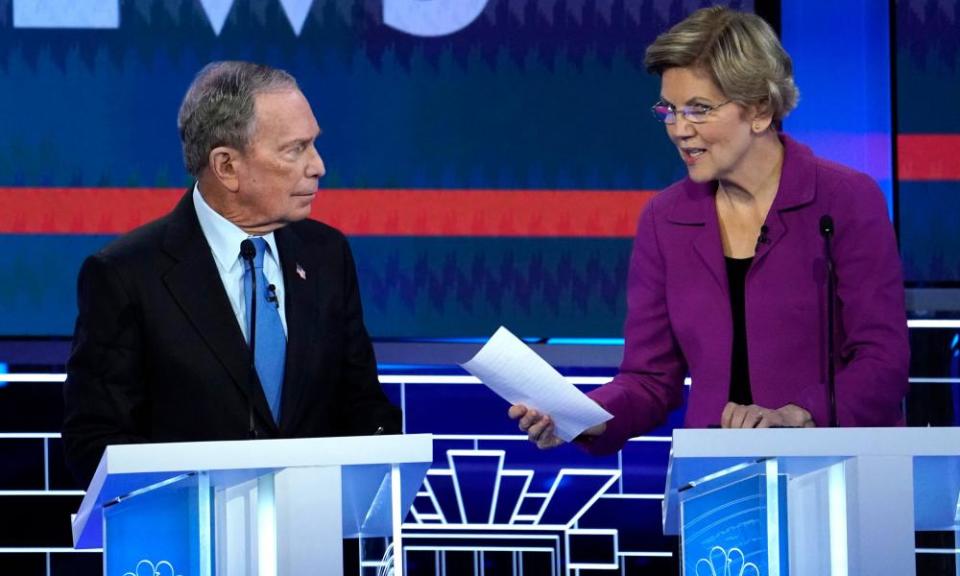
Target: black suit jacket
[[158, 355]]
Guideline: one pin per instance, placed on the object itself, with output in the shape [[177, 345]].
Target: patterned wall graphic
[[928, 68], [489, 167]]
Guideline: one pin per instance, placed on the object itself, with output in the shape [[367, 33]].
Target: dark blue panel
[[510, 490], [76, 564], [21, 464], [48, 524], [26, 564], [593, 548], [928, 60], [393, 394], [424, 505], [531, 505], [477, 478], [637, 521], [572, 493], [38, 278], [441, 446], [546, 464], [929, 229], [46, 407], [640, 566], [644, 464], [456, 409], [420, 563], [456, 287], [445, 492], [425, 410]]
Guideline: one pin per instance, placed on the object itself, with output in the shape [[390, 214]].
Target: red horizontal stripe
[[928, 156], [365, 212]]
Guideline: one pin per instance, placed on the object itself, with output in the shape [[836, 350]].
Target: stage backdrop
[[488, 158], [928, 114]]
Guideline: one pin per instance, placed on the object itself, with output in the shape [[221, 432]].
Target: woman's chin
[[699, 176]]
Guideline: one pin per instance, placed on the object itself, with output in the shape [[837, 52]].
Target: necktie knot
[[261, 245]]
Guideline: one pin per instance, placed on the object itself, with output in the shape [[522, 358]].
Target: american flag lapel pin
[[301, 272]]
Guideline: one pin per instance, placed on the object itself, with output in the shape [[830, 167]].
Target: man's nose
[[315, 167]]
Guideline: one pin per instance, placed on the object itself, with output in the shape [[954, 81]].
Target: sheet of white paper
[[520, 376]]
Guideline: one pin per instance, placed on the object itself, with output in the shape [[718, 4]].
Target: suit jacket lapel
[[196, 286], [301, 281]]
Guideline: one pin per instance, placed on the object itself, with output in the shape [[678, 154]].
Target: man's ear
[[224, 162]]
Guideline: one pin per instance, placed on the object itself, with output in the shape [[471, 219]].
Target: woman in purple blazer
[[727, 279]]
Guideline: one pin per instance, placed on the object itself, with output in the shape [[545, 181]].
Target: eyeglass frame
[[703, 109]]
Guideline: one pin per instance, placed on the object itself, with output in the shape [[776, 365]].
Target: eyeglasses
[[696, 113]]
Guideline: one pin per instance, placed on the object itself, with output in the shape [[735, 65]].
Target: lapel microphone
[[763, 238], [272, 295], [248, 252]]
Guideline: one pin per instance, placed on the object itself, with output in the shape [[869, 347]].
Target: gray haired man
[[234, 316]]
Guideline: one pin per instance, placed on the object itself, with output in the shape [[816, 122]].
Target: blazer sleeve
[[650, 381], [362, 404], [104, 391], [873, 344]]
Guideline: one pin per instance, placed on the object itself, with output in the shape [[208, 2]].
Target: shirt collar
[[223, 236]]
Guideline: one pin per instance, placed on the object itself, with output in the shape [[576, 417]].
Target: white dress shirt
[[224, 238]]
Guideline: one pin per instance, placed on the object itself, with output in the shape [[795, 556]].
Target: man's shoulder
[[138, 242], [316, 232]]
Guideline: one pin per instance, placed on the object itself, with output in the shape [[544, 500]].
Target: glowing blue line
[[837, 518], [920, 323], [46, 550], [773, 517], [586, 341]]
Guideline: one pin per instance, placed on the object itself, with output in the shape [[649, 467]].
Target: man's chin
[[302, 210]]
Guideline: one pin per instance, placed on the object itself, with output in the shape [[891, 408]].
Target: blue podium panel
[[146, 534], [735, 524]]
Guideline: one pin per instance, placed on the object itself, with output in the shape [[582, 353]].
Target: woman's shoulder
[[837, 184], [683, 192], [828, 172]]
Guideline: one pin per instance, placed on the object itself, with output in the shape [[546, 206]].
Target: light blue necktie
[[271, 342]]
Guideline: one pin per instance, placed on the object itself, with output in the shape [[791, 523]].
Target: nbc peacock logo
[[148, 568], [720, 562]]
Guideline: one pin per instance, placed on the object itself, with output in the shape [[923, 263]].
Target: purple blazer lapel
[[695, 207], [797, 188]]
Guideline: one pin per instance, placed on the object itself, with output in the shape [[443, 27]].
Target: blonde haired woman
[[727, 277]]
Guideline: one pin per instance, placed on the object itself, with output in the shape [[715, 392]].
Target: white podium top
[[126, 468], [935, 453]]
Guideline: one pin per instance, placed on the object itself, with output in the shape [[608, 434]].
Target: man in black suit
[[161, 349]]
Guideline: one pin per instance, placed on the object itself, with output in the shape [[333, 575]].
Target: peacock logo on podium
[[161, 568], [720, 562]]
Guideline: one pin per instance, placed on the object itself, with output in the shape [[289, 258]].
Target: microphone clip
[[272, 295], [763, 238]]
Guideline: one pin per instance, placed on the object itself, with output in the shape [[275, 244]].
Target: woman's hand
[[753, 416], [540, 428]]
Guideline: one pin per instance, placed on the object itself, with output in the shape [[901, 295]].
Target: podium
[[252, 508], [803, 502]]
